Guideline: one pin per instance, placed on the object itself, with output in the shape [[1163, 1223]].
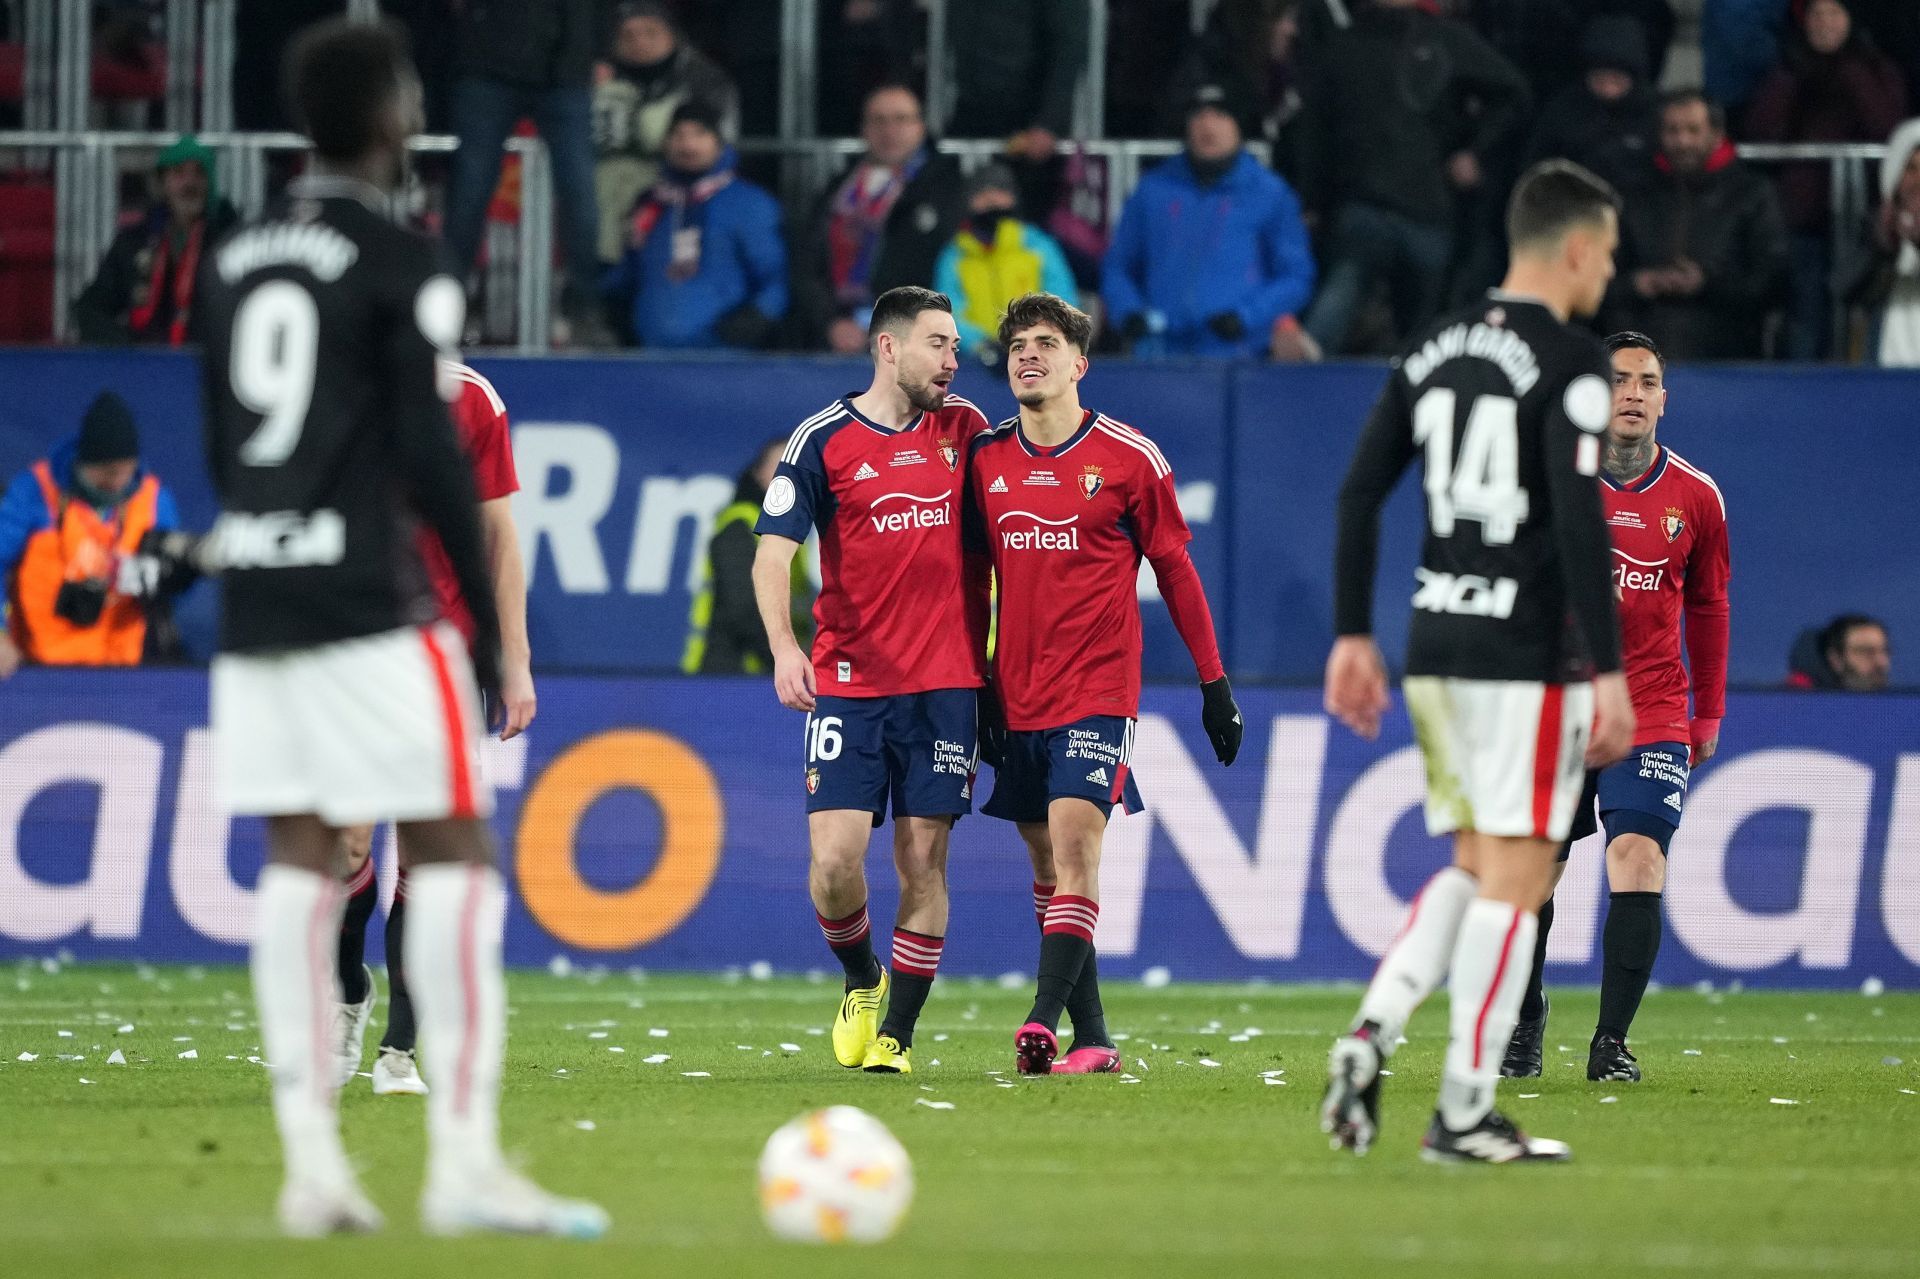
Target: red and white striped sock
[[1489, 978], [1042, 894], [851, 938], [1069, 914], [849, 931], [296, 927], [916, 954], [455, 913]]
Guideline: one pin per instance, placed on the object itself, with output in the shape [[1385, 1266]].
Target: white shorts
[[1503, 757], [382, 728]]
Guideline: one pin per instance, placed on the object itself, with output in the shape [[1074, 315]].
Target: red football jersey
[[1067, 528], [1669, 532], [480, 420], [892, 614]]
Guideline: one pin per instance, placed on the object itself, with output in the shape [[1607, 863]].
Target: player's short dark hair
[[895, 310], [1716, 113], [1552, 198], [1833, 636], [340, 77], [1629, 340], [1029, 309]]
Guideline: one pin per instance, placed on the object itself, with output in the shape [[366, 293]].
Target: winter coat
[[1739, 42], [705, 265], [1854, 95], [982, 278], [1190, 252], [533, 44], [1727, 219], [1016, 64], [121, 305], [1389, 101], [924, 217], [631, 117], [1617, 139]]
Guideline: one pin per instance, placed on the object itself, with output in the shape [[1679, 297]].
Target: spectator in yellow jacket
[[994, 258]]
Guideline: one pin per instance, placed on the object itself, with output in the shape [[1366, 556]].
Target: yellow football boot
[[858, 1022], [885, 1056]]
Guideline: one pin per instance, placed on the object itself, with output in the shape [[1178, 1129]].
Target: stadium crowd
[[1308, 214]]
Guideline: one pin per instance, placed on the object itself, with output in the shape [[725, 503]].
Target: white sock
[[1417, 960], [455, 912], [1490, 968], [297, 988]]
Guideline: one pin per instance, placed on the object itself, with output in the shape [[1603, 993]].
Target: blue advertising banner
[[624, 463], [660, 822]]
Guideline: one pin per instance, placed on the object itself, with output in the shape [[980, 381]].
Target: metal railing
[[88, 167]]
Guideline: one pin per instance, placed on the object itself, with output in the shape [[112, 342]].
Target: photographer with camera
[[79, 592]]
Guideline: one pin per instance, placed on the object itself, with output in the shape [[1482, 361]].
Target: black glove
[[744, 327], [1227, 326], [991, 726], [1134, 327], [484, 653], [1221, 716]]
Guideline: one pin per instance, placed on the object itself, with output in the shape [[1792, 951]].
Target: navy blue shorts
[[1089, 759], [1641, 795], [919, 750]]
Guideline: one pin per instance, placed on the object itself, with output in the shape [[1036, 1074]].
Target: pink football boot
[[1034, 1048], [1094, 1059]]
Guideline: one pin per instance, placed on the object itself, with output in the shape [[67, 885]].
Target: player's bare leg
[[1075, 828], [1093, 1052], [298, 907], [1636, 877], [1487, 978], [453, 956], [837, 883], [356, 979], [919, 936], [1411, 969]]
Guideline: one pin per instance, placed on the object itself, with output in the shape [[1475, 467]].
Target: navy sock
[[363, 894], [1629, 945], [1534, 1002]]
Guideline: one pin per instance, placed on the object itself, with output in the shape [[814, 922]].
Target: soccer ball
[[833, 1176]]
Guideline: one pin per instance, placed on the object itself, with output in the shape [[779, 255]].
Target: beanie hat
[[191, 150], [702, 113], [107, 433]]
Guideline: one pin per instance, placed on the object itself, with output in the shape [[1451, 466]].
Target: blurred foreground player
[[898, 656], [1514, 652], [1067, 502], [1668, 524], [337, 697], [480, 422]]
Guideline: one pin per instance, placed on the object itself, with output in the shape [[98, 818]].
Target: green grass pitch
[[168, 1164]]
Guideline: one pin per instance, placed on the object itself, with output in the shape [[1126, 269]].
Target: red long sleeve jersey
[[1669, 532], [480, 420], [894, 614], [1067, 528]]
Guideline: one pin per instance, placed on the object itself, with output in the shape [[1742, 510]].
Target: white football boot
[[311, 1209], [395, 1075], [500, 1200], [350, 1032]]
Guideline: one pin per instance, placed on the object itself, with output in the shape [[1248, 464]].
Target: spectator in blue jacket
[[705, 265], [1211, 253]]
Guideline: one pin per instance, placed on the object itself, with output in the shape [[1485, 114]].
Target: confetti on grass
[[933, 1105]]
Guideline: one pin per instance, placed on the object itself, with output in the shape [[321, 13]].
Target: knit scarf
[[182, 280], [860, 210], [681, 203]]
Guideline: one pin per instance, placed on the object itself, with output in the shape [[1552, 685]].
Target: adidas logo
[[1098, 777], [998, 486], [866, 472], [1672, 801]]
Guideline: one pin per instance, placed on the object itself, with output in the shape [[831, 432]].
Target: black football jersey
[[327, 439], [1506, 406]]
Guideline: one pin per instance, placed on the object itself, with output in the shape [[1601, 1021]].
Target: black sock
[[401, 1029], [363, 894], [905, 998], [1534, 1003], [1062, 956], [1629, 944], [1083, 1007]]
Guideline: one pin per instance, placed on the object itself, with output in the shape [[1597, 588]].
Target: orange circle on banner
[[692, 823]]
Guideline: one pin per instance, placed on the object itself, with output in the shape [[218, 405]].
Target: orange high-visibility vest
[[79, 544]]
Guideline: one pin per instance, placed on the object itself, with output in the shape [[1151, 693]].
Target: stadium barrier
[[624, 463], [659, 822]]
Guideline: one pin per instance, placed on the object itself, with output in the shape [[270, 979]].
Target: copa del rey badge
[[1671, 524], [948, 453], [1091, 481]]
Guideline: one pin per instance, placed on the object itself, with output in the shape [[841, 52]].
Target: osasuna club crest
[[948, 453], [1671, 524], [1091, 481], [813, 781]]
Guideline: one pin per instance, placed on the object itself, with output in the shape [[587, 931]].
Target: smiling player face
[[925, 358], [1639, 395], [1042, 365]]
